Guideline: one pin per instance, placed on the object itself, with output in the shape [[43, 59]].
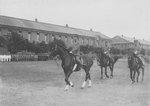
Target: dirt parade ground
[[42, 84]]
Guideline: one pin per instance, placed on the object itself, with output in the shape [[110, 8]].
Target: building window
[[106, 44], [59, 37], [75, 40], [29, 36], [19, 31], [71, 40], [84, 41], [46, 38], [81, 40], [38, 36], [89, 42], [66, 39], [52, 37], [8, 32]]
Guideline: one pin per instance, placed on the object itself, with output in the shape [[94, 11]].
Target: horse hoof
[[111, 77], [107, 76], [72, 85], [82, 87], [65, 89], [89, 86]]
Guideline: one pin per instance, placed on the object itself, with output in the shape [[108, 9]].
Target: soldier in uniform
[[107, 53], [136, 55], [78, 62]]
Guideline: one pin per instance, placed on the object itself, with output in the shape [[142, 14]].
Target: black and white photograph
[[74, 52]]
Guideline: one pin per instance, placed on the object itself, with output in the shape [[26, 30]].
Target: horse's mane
[[61, 44]]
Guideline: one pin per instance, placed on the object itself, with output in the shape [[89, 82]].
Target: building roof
[[142, 41], [124, 39], [17, 22]]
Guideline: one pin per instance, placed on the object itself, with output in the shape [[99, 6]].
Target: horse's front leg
[[142, 74], [111, 69], [133, 77], [68, 83], [106, 72], [101, 72], [138, 73]]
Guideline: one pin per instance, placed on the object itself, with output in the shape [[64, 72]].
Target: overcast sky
[[110, 17]]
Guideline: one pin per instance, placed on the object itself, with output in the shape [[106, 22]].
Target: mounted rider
[[107, 53], [136, 55]]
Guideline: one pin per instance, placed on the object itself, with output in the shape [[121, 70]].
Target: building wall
[[144, 46], [39, 36], [4, 31], [33, 36], [123, 45]]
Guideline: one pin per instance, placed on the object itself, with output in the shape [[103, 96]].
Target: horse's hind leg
[[68, 83], [106, 72], [111, 69], [101, 72], [90, 82], [142, 74], [133, 77], [138, 73], [86, 78], [85, 81]]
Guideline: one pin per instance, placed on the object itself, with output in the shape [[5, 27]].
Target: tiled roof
[[11, 21]]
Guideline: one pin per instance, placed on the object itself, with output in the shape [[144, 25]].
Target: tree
[[86, 49], [15, 43], [2, 41]]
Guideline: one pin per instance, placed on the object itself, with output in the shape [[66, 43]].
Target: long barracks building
[[36, 31]]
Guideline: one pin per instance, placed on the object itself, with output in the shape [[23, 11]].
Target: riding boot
[[77, 68], [140, 61]]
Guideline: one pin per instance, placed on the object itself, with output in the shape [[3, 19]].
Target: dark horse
[[135, 64], [105, 61], [69, 61]]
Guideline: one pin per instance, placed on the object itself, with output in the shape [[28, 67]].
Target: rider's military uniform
[[135, 54], [77, 62]]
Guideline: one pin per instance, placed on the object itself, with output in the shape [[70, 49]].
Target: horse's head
[[58, 48]]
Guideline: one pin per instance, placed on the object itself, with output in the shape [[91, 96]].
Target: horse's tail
[[115, 59]]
